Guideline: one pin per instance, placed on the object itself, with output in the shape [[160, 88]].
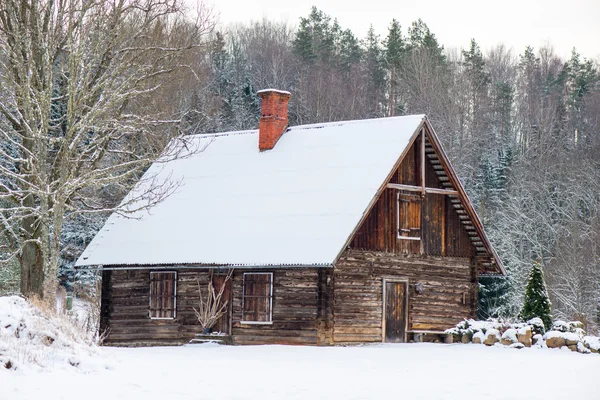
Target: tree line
[[522, 130]]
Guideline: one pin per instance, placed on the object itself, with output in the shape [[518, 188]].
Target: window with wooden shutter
[[163, 295], [409, 216], [257, 298]]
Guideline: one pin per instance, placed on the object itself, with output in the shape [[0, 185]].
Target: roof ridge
[[316, 125], [352, 122], [217, 134]]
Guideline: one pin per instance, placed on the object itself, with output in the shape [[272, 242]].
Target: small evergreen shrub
[[536, 302]]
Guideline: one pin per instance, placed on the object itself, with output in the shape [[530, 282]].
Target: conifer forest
[[91, 95]]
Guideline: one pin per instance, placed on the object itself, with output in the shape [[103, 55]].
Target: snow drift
[[31, 337]]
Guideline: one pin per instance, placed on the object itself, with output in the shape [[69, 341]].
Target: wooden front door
[[395, 311], [223, 324]]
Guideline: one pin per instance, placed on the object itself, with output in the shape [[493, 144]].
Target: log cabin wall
[[301, 309], [126, 305], [442, 260], [448, 295]]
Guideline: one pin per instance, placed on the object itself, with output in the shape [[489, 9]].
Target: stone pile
[[530, 334]]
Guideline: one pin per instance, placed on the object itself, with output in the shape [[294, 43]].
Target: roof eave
[[113, 267]]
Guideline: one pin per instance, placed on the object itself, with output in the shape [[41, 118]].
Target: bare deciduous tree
[[78, 83]]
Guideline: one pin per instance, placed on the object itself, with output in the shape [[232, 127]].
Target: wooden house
[[343, 232]]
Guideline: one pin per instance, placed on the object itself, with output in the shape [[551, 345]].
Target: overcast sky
[[516, 23]]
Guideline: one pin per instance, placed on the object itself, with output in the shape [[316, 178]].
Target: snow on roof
[[294, 205]]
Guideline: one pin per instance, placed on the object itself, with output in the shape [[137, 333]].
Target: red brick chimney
[[274, 117]]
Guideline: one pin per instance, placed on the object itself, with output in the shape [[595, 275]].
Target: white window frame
[[398, 235], [270, 321], [174, 294]]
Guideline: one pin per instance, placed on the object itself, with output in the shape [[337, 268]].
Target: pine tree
[[421, 38], [536, 302], [395, 51], [374, 64]]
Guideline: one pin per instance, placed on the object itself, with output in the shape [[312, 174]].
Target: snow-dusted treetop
[[297, 204]]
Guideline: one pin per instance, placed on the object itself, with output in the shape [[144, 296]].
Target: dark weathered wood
[[359, 286], [223, 324], [301, 309], [395, 312], [440, 231], [105, 302]]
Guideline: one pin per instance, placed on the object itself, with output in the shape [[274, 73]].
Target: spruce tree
[[536, 302], [395, 51]]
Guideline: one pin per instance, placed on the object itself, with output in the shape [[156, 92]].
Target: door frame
[[383, 301], [229, 312]]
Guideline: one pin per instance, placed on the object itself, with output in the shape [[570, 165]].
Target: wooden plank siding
[[442, 233], [448, 293], [295, 309], [301, 309]]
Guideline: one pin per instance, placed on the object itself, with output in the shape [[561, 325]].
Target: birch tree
[[79, 85]]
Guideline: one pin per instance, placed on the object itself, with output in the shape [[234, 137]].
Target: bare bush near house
[[211, 307], [79, 83]]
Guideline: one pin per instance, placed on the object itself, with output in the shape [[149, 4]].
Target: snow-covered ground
[[408, 371], [45, 356]]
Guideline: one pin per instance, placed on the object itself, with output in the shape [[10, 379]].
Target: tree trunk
[[32, 270], [31, 259]]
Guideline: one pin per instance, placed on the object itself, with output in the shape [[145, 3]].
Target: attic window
[[408, 216], [163, 295], [257, 298]]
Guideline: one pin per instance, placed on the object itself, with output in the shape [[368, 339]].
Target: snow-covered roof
[[296, 204]]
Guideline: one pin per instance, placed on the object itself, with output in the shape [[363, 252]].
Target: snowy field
[[407, 371]]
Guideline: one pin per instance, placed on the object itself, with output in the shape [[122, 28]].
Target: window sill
[[408, 238], [159, 318], [256, 322]]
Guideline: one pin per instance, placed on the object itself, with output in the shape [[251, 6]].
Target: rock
[[524, 336], [582, 349], [572, 347], [571, 342], [509, 337], [592, 343], [517, 345], [555, 341], [8, 364], [465, 339], [476, 340], [491, 337], [47, 340], [491, 340], [74, 361]]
